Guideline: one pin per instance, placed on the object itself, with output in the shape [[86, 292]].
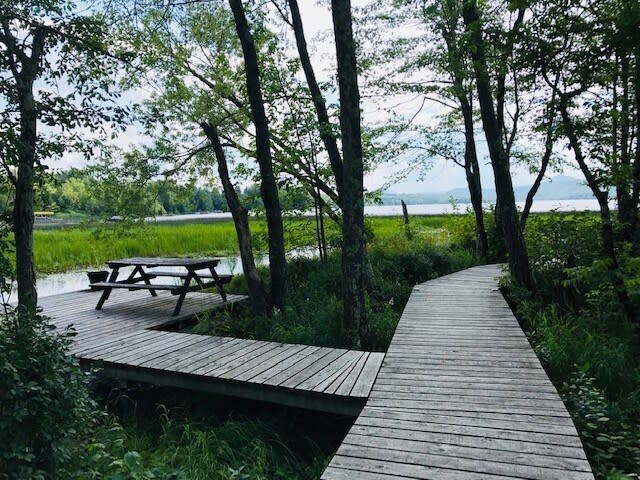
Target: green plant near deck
[[314, 309], [585, 343], [44, 405], [181, 449]]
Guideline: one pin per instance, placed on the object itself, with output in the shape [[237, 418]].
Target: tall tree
[[241, 222], [492, 114], [46, 48], [25, 69], [194, 60], [354, 258], [268, 185], [433, 64], [455, 64], [586, 55]]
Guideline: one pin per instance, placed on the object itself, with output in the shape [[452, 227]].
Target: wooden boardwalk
[[125, 339], [461, 396]]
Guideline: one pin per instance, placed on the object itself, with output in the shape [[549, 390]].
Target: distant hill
[[560, 187]]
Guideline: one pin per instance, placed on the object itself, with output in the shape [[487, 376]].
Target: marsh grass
[[179, 435], [314, 312], [67, 248], [62, 249]]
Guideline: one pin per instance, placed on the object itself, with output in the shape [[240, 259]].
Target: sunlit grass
[[58, 250]]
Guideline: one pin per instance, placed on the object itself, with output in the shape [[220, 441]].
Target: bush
[[44, 404], [613, 446], [197, 436], [314, 312], [582, 337]]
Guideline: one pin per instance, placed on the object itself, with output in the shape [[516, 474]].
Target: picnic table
[[200, 274]]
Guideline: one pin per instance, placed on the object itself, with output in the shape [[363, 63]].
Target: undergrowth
[[582, 338], [314, 298]]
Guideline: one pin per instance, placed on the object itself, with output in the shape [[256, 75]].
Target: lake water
[[77, 280], [443, 208], [395, 210]]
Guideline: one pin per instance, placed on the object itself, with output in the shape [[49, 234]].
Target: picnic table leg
[[107, 291], [145, 278], [183, 293], [216, 279]]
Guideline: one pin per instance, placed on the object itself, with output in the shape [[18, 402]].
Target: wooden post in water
[[405, 213]]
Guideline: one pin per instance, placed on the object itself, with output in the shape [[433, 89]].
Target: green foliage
[[608, 439], [205, 445], [314, 306], [559, 241], [579, 332], [44, 404], [7, 273], [125, 185], [72, 54]]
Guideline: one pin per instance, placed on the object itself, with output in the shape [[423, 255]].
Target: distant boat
[[43, 216]]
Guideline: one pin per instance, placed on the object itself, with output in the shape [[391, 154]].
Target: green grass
[[197, 436], [314, 312], [62, 249], [73, 247]]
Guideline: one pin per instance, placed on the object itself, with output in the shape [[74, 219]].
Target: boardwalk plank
[[369, 373], [461, 395]]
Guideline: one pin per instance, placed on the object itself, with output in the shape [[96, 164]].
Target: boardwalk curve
[[461, 396], [126, 341]]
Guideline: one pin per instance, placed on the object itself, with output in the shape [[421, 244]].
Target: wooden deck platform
[[125, 339], [461, 396]]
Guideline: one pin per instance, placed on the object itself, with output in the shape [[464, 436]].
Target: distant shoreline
[[370, 210]]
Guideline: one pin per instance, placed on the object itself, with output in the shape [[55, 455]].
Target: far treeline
[[236, 95], [86, 193]]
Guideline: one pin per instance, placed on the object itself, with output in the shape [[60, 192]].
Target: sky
[[442, 176]]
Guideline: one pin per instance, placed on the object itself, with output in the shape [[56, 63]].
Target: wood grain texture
[[126, 339], [460, 395]]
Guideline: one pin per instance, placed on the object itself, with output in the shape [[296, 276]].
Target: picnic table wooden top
[[202, 262]]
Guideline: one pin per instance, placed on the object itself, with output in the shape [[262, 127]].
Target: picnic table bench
[[193, 279]]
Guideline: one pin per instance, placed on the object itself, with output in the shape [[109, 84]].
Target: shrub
[[44, 403], [314, 312], [613, 446], [584, 341]]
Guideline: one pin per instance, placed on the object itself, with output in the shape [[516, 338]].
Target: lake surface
[[444, 208], [422, 209], [77, 279], [373, 210]]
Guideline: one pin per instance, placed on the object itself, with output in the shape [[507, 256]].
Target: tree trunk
[[472, 172], [514, 240], [635, 190], [354, 258], [471, 167], [623, 180], [316, 214], [241, 223], [326, 131], [606, 224], [546, 157], [268, 186], [23, 205]]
